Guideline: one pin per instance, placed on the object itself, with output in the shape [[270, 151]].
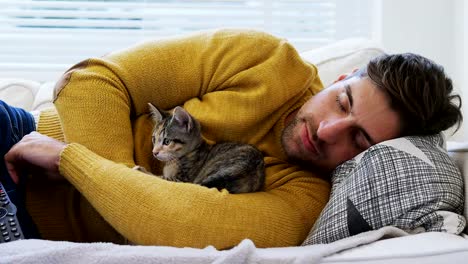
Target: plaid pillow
[[410, 183]]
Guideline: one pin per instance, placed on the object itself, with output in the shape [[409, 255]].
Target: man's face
[[338, 123]]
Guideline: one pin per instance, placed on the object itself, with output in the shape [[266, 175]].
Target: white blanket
[[44, 251]]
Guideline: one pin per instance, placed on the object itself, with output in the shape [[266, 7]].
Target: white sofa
[[332, 60]]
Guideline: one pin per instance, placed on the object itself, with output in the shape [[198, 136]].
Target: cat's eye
[[166, 141]]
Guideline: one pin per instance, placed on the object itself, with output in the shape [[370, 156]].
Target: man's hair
[[419, 91]]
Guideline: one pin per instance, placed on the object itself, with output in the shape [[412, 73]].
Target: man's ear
[[344, 76], [341, 77], [182, 118]]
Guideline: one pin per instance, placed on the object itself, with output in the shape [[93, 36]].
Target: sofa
[[385, 245]]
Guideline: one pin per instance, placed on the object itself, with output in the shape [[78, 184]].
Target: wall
[[462, 63], [436, 29]]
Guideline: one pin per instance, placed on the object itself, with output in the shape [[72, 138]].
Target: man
[[244, 86]]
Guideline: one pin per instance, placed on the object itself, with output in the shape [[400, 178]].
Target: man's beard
[[287, 136]]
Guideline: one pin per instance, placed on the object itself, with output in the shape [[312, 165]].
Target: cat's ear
[[155, 113], [182, 118]]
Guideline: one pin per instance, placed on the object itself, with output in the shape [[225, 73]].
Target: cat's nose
[[155, 154]]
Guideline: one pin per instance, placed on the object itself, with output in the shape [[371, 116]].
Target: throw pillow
[[410, 183]]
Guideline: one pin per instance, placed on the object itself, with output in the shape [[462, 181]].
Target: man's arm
[[152, 211]]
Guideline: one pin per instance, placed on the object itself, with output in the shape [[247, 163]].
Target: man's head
[[395, 95], [419, 91]]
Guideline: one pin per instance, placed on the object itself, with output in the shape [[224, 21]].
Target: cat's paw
[[142, 169]]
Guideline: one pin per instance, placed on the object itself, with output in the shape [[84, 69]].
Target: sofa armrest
[[458, 151]]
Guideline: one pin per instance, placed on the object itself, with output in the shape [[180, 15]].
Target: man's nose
[[330, 131]]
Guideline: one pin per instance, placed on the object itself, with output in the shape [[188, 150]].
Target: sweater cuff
[[49, 124], [76, 161]]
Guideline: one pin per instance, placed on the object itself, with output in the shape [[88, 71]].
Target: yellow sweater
[[240, 85]]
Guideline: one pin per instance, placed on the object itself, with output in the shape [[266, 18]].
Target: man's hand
[[35, 152]]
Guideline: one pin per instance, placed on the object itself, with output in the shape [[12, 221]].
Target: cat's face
[[175, 134]]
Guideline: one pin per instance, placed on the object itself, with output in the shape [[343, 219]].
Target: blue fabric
[[15, 123]]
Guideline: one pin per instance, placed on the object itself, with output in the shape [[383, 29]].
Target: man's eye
[[340, 105], [166, 141]]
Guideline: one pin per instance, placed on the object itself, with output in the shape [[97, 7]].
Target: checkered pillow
[[409, 182]]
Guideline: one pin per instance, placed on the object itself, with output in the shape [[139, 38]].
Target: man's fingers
[[12, 158], [34, 152], [12, 171]]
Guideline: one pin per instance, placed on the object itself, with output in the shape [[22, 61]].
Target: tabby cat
[[187, 157]]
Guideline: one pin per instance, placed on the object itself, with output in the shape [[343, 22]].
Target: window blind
[[40, 39]]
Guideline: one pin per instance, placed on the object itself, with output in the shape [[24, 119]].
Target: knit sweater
[[239, 84]]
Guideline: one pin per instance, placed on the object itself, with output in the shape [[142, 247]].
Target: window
[[41, 39]]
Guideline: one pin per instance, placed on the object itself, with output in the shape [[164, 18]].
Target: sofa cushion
[[429, 247], [44, 96], [410, 183], [19, 92], [342, 57]]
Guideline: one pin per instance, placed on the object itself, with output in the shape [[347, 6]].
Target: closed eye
[[340, 105], [361, 138]]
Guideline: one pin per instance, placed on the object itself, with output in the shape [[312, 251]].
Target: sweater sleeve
[[151, 211]]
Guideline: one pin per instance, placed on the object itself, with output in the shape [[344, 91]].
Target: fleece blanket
[[44, 251]]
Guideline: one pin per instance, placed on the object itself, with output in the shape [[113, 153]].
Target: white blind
[[40, 39]]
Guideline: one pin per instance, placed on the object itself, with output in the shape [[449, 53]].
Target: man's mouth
[[309, 145]]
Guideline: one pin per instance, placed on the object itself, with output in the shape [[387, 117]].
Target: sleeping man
[[242, 85]]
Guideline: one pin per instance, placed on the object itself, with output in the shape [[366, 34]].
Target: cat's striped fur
[[187, 157]]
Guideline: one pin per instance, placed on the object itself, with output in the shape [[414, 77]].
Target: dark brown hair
[[419, 91]]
